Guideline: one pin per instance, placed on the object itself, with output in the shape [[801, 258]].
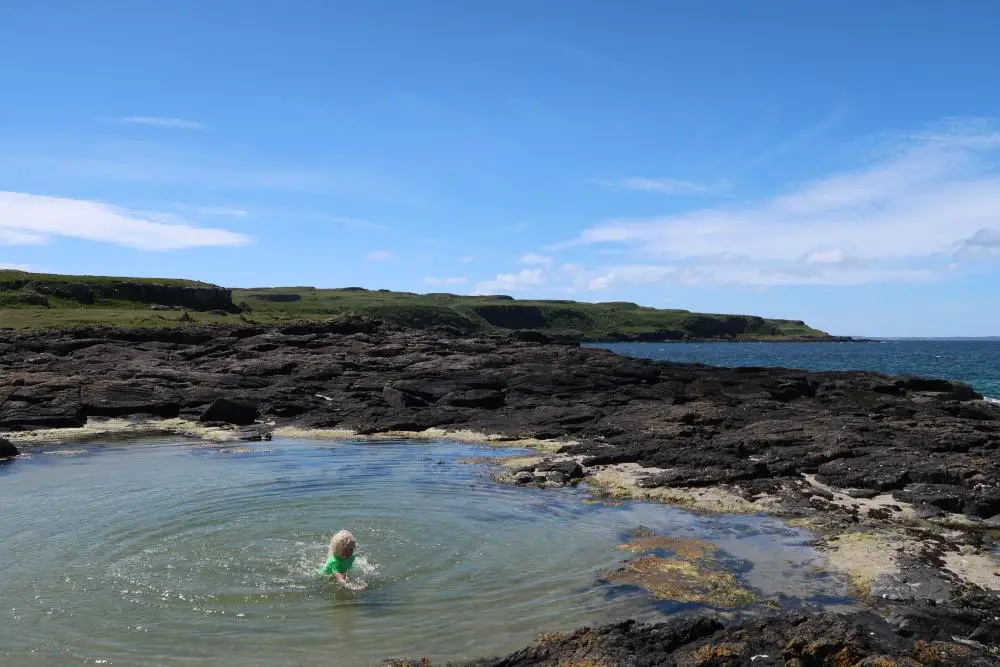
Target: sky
[[836, 162]]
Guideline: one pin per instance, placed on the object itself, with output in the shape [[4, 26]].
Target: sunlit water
[[178, 553], [976, 361]]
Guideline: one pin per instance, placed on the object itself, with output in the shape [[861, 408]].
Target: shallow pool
[[182, 553]]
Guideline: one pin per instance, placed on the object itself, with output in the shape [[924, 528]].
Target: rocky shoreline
[[899, 476]]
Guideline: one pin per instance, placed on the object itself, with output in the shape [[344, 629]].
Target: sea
[[972, 360]]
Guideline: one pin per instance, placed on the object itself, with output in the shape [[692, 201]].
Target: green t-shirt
[[335, 564]]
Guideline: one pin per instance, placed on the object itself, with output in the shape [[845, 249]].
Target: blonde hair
[[341, 542]]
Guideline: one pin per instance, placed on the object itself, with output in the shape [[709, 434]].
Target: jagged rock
[[7, 449], [231, 412]]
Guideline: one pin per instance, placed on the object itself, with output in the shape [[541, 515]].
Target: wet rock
[[569, 469], [556, 477], [821, 640], [230, 411], [7, 449], [915, 583], [523, 477]]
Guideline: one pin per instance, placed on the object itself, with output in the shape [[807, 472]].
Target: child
[[341, 559]]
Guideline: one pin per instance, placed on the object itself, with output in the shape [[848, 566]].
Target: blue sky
[[835, 162]]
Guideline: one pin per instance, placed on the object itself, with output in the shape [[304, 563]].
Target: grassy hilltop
[[31, 300]]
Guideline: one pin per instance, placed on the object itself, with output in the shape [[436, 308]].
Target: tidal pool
[[180, 553]]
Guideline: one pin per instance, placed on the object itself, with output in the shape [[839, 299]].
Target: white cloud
[[663, 186], [21, 237], [27, 218], [14, 267], [161, 121], [445, 281], [466, 259], [636, 274], [900, 218], [218, 211], [511, 282], [532, 258], [379, 256], [91, 161], [983, 244]]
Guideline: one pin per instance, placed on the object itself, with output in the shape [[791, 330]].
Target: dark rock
[[949, 390], [569, 469], [7, 449], [556, 477], [27, 415], [529, 336], [400, 399], [985, 504], [941, 496], [474, 398], [121, 400], [523, 477], [701, 425], [230, 411]]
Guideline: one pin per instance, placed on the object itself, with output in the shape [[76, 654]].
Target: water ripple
[[181, 554]]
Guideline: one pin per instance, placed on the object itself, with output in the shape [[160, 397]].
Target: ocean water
[[976, 362], [180, 553]]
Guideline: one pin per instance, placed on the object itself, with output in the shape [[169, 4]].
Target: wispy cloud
[[466, 259], [511, 282], [983, 244], [663, 186], [899, 218], [215, 211], [27, 218], [160, 121], [14, 267], [533, 258], [88, 161], [347, 222], [379, 256], [445, 281]]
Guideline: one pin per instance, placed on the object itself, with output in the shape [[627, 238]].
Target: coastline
[[707, 439]]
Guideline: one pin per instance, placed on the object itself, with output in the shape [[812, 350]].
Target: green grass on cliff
[[594, 321], [10, 276]]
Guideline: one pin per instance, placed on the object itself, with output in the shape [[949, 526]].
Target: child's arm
[[342, 580]]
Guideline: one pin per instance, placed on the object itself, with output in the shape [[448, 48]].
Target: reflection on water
[[166, 553]]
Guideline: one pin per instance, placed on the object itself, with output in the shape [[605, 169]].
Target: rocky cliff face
[[195, 298]]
